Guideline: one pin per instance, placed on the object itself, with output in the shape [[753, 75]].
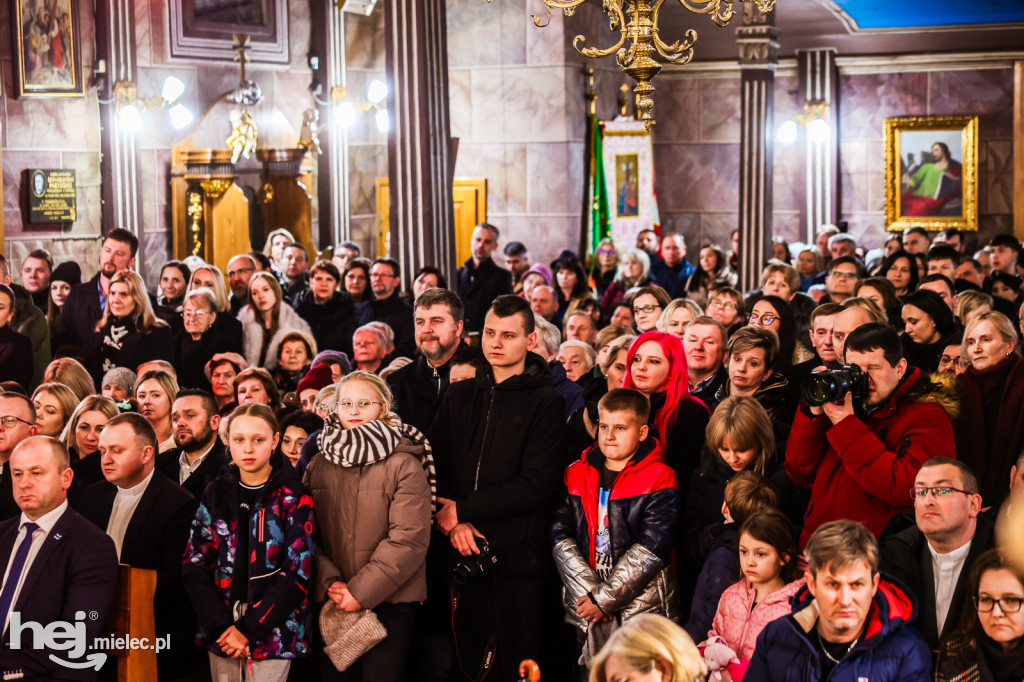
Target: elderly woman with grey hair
[[201, 339]]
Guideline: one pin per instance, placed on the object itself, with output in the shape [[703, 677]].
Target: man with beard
[[241, 268], [417, 387], [200, 455], [479, 281], [86, 302]]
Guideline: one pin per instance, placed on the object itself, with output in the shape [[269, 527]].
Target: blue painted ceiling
[[871, 14]]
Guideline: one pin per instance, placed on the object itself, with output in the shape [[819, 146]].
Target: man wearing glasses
[[17, 422], [860, 454], [388, 307], [240, 270], [933, 557], [841, 280]]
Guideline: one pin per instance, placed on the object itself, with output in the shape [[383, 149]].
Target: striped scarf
[[373, 442]]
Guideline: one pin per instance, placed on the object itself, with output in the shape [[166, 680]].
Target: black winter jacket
[[417, 389], [333, 323], [190, 357], [121, 344], [397, 313], [499, 453], [478, 287]]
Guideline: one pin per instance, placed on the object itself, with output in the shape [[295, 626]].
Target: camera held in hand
[[833, 384], [475, 565]]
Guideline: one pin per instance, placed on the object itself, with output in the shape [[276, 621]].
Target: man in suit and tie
[[148, 517], [200, 454], [86, 301], [57, 567], [17, 422]]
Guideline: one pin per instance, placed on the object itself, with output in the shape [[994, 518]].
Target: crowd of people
[[618, 464]]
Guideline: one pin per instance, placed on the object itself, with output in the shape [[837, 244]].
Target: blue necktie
[[14, 577]]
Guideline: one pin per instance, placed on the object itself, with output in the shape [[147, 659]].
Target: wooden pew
[[131, 616]]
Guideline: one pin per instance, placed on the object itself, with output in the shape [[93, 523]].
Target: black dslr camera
[[832, 384], [475, 565]]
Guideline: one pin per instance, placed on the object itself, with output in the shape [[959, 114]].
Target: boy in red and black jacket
[[613, 535]]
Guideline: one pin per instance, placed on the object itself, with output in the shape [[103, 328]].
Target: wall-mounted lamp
[[814, 120], [129, 106], [347, 109]]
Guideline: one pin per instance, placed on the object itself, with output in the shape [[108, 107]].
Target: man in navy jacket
[[61, 569]]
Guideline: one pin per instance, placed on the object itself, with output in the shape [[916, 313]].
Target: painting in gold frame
[[46, 37], [931, 172]]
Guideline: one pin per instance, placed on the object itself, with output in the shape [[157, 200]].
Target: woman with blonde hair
[[155, 392], [54, 403], [969, 304], [275, 245], [677, 315], [128, 333], [634, 271], [374, 489], [603, 266], [72, 374], [266, 320], [82, 438], [649, 647], [225, 325]]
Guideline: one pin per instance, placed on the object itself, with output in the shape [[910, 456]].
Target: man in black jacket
[[387, 306], [20, 409], [934, 557], [417, 387], [498, 442], [148, 518], [479, 281], [329, 312], [200, 455], [86, 301]]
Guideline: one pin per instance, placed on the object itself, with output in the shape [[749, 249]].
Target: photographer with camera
[[498, 439], [863, 431]]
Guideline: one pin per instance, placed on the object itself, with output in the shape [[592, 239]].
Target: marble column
[[115, 31], [758, 41], [419, 140], [819, 83]]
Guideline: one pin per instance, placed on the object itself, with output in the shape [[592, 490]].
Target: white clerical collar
[[952, 557], [138, 489]]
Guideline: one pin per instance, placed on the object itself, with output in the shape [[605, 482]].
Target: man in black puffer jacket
[[498, 445]]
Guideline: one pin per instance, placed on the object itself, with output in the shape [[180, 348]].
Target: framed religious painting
[[205, 29], [46, 38], [931, 172], [629, 176]]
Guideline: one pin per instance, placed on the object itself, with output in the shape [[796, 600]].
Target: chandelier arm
[[626, 57], [567, 6], [618, 18], [676, 53]]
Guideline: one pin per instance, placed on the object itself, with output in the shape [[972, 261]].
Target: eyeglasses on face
[[194, 313], [843, 275], [649, 308], [765, 319], [9, 421], [1006, 604], [921, 492], [723, 304], [359, 404], [606, 252]]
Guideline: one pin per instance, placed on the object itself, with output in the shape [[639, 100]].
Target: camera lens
[[819, 389]]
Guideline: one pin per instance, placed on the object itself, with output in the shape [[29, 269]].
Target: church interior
[[365, 113]]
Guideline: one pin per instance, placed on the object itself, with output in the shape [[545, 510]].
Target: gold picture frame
[[931, 172], [47, 51]]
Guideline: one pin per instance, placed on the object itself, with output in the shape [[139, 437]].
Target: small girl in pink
[[771, 575]]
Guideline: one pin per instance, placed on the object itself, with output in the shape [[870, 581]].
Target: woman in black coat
[[201, 339]]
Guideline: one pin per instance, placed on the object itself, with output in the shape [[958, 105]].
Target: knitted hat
[[317, 377], [540, 269], [234, 359], [69, 272], [931, 303], [333, 357], [120, 376]]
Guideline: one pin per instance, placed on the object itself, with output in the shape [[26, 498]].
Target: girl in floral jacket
[[249, 560]]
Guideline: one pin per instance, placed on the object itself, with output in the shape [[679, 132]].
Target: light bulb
[[130, 119], [345, 114], [383, 122], [818, 130], [377, 91], [180, 116], [172, 89], [787, 132]]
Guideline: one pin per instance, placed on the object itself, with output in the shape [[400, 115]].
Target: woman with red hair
[[657, 368]]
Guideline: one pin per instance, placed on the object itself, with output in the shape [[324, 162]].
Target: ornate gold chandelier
[[637, 22]]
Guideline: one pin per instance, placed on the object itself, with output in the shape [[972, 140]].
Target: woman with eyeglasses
[[647, 304], [602, 270], [989, 644], [200, 340], [374, 488], [226, 325], [772, 312]]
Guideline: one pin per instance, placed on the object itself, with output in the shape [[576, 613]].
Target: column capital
[[758, 39]]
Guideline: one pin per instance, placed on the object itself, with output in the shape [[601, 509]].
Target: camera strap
[[490, 653]]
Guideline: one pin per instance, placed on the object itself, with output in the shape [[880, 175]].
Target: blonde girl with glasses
[[373, 484]]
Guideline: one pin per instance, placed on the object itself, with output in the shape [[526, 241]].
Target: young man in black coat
[[479, 281], [200, 455], [148, 518], [15, 349], [418, 387], [498, 443], [67, 572], [329, 312]]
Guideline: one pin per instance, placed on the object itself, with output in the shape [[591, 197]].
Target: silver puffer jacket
[[640, 583]]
